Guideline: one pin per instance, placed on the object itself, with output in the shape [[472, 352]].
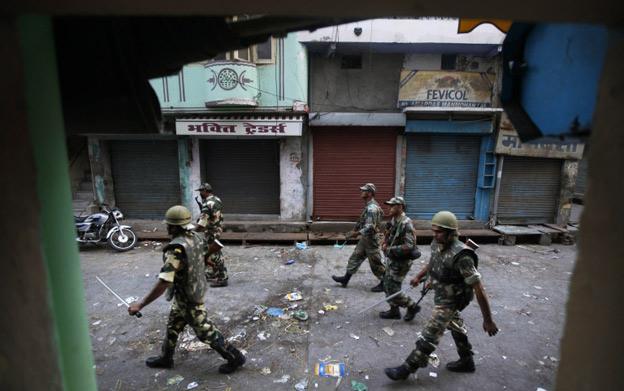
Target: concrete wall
[[292, 179], [190, 172], [375, 87], [569, 172], [101, 171], [279, 84], [405, 30]]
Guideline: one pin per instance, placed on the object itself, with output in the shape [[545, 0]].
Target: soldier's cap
[[204, 186], [369, 187], [395, 201]]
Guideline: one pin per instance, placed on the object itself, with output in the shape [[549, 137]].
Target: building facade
[[237, 121]]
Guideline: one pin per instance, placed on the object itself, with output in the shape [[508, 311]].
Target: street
[[527, 286]]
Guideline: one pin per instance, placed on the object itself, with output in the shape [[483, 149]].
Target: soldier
[[368, 227], [211, 223], [399, 245], [182, 275], [454, 278]]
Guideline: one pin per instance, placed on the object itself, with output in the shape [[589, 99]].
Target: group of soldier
[[451, 273]]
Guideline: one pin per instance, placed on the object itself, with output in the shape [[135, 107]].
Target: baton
[[138, 314], [392, 296]]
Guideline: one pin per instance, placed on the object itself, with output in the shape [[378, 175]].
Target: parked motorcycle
[[104, 227]]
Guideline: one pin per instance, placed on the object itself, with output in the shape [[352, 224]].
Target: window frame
[[254, 53]]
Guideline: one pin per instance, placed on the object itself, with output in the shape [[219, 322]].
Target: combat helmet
[[178, 215], [445, 219]]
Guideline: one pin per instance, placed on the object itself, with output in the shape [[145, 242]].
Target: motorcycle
[[104, 227]]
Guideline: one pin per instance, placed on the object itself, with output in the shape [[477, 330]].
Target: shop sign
[[276, 127], [445, 89], [508, 143]]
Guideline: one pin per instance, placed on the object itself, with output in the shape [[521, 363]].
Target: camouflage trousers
[[218, 271], [442, 318], [194, 315], [393, 279], [367, 248]]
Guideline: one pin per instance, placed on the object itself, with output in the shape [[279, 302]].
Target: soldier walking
[[210, 222], [368, 227], [399, 245], [455, 280], [182, 275]]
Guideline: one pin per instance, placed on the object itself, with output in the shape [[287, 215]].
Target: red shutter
[[344, 159]]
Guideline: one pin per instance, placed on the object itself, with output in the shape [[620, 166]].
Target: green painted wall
[[278, 84]]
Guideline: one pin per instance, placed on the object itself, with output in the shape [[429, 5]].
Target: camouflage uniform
[[369, 226], [211, 219], [453, 273], [184, 266], [400, 242]]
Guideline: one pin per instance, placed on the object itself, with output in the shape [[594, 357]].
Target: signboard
[[246, 126], [445, 89], [508, 143]]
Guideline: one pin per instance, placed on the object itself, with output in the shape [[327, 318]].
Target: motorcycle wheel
[[122, 242]]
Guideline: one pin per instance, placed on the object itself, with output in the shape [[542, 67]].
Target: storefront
[[449, 166], [537, 178], [253, 162], [145, 176], [346, 157]]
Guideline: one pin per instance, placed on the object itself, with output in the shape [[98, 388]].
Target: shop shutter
[[529, 190], [441, 174], [345, 159], [244, 174], [146, 177]]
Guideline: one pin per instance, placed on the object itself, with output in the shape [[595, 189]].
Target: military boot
[[378, 288], [219, 283], [464, 364], [165, 360], [401, 372], [411, 312], [344, 280], [392, 313], [234, 357]]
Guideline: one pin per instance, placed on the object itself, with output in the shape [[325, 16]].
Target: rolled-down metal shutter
[[244, 174], [146, 177], [441, 174], [345, 159], [581, 179], [529, 190]]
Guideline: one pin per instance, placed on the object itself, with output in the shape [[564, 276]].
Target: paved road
[[527, 288]]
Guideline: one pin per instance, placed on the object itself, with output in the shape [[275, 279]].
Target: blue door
[[441, 174]]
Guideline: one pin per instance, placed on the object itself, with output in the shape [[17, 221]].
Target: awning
[[277, 125]]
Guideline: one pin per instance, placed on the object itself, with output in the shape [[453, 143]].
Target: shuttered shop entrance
[[441, 174], [529, 190], [244, 174], [146, 177], [344, 159]]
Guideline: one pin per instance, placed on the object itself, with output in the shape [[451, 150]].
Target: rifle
[[423, 292], [198, 203], [213, 248]]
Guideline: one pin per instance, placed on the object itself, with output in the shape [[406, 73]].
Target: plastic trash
[[289, 262], [174, 380], [275, 312], [301, 245], [357, 386], [300, 315], [330, 307], [283, 379], [354, 336], [330, 369], [265, 371], [388, 331], [263, 335], [340, 245], [433, 374], [434, 361], [302, 385], [191, 385], [294, 296]]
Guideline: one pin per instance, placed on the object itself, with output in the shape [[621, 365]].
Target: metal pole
[[499, 176]]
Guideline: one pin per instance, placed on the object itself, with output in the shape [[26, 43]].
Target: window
[[264, 52], [351, 62], [242, 54], [220, 57], [448, 62]]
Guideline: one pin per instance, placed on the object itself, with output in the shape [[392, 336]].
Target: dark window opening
[[351, 62], [449, 62]]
